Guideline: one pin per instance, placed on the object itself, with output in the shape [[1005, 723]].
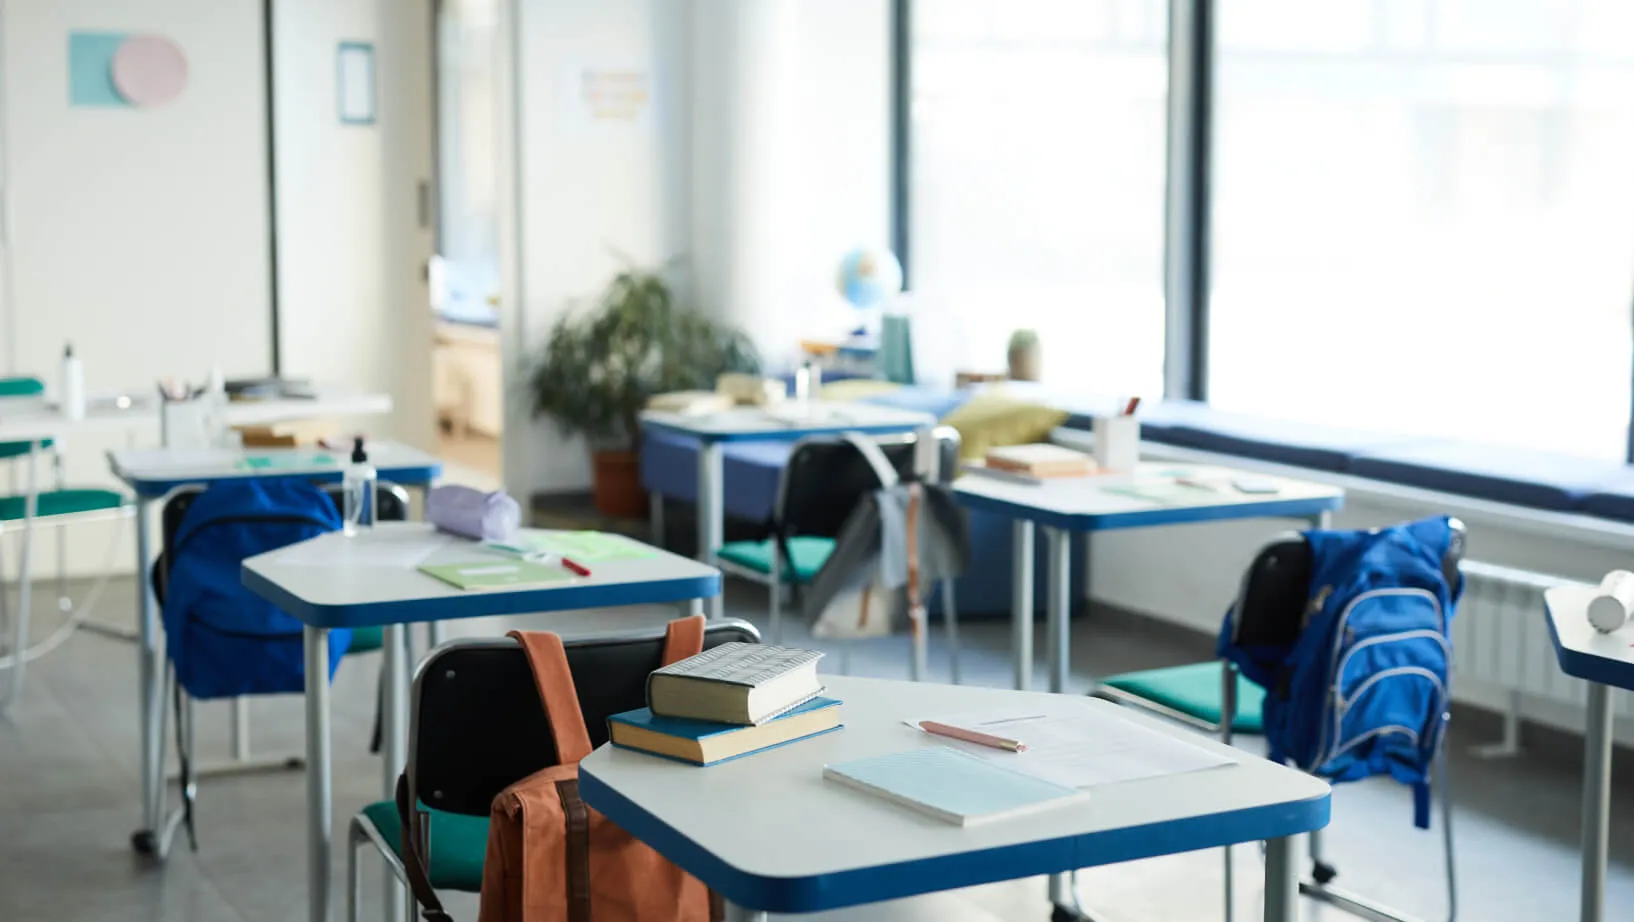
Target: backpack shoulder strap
[[548, 661], [683, 637], [876, 459], [414, 863]]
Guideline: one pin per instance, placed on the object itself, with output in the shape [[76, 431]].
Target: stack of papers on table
[[1078, 745]]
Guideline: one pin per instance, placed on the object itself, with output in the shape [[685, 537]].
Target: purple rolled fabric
[[472, 513]]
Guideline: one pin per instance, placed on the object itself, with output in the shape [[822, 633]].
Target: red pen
[[578, 568], [1129, 410]]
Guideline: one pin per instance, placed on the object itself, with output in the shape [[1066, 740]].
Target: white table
[[335, 581], [770, 835], [779, 423], [1604, 661], [35, 419], [152, 473], [1087, 504]]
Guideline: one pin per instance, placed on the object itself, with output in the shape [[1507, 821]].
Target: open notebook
[[951, 785]]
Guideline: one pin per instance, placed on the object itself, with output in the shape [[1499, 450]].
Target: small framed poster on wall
[[354, 74]]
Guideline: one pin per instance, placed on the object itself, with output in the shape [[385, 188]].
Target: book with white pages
[[1079, 744], [736, 683]]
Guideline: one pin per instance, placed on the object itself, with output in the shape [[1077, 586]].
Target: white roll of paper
[[1612, 607]]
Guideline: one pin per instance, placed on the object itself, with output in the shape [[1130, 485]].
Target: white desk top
[[338, 581], [1583, 651], [156, 471], [1086, 503], [786, 422], [769, 833], [33, 418]]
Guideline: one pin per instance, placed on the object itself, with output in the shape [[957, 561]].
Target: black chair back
[[827, 476], [393, 500], [1271, 604], [478, 725]]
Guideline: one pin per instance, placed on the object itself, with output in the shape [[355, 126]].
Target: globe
[[868, 278]]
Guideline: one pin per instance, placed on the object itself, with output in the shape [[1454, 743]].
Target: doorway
[[467, 372]]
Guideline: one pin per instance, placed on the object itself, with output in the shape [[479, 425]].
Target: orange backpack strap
[[683, 637], [548, 660]]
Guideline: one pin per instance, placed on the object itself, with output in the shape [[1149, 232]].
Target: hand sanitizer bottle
[[357, 491], [72, 398]]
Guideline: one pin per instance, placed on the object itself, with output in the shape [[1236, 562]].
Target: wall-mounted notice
[[354, 87], [609, 95]]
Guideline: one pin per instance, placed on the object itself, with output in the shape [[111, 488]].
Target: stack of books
[[734, 700], [1041, 461]]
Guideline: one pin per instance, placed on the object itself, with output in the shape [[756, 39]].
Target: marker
[[578, 568], [971, 736], [1134, 403]]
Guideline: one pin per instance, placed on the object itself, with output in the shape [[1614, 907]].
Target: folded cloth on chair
[[472, 513]]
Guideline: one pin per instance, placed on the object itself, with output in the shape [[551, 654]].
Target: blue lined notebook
[[951, 785]]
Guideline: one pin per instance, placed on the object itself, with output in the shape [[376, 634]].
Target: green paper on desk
[[584, 547], [291, 461], [1159, 491], [489, 574]]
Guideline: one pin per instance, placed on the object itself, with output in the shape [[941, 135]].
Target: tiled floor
[[68, 805]]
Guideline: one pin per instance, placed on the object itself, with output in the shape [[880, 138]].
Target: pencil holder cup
[[184, 424], [1117, 442]]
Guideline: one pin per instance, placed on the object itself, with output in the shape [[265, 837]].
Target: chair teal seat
[[367, 639], [458, 844], [1194, 690], [808, 555], [21, 387], [60, 502]]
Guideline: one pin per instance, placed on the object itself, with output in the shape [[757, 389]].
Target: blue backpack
[[223, 639], [1363, 688]]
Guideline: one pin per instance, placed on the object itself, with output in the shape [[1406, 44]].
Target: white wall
[[766, 159], [348, 251], [586, 192], [139, 234]]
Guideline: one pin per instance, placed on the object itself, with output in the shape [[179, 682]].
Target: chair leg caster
[[144, 842], [1323, 873]]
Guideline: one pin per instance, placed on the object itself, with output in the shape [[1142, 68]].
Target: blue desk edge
[[791, 434], [945, 872], [1587, 666], [1162, 515]]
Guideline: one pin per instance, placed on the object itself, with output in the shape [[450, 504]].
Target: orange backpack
[[553, 859]]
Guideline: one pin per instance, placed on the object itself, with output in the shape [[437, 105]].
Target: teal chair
[[476, 727], [822, 482], [26, 508]]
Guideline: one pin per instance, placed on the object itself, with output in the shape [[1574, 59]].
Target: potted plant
[[600, 366]]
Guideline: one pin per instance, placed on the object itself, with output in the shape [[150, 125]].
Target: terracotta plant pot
[[617, 480]]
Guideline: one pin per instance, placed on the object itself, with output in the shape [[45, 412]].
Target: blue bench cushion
[[1319, 447], [1559, 483], [808, 555], [750, 472], [1613, 499]]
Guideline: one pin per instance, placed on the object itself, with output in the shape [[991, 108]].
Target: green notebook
[[285, 462], [579, 546], [489, 574]]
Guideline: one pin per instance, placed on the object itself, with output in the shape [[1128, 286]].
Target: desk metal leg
[[319, 810], [1281, 881], [736, 913], [150, 677], [1058, 544], [393, 737], [711, 512], [1596, 800], [1021, 601]]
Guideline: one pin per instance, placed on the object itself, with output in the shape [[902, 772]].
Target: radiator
[[1500, 640]]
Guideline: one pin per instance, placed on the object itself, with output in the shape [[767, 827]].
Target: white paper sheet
[[1080, 745]]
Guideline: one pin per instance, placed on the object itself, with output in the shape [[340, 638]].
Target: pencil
[[972, 736]]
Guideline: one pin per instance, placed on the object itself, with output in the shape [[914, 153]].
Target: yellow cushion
[[856, 389], [992, 420]]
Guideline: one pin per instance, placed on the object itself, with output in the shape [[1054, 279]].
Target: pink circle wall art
[[149, 70]]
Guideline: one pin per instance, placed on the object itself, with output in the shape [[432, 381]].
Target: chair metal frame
[[361, 830], [1318, 887], [946, 439]]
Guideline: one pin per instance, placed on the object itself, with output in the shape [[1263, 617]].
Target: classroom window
[[1424, 217], [1037, 132]]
